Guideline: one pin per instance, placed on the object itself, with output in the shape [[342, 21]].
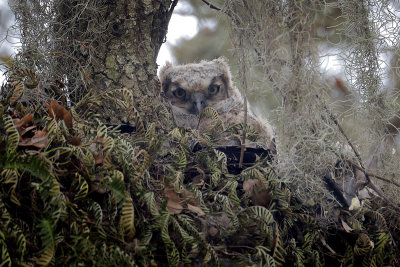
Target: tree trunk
[[97, 45]]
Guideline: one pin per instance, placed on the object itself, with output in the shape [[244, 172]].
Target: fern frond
[[279, 252], [117, 187], [185, 237], [10, 176], [151, 203], [180, 161], [377, 218], [221, 157], [12, 134], [171, 251], [20, 75], [46, 232], [98, 213], [20, 239], [209, 113], [178, 182], [5, 258], [262, 213], [128, 216], [232, 193], [46, 256], [227, 208], [140, 130], [362, 246], [17, 93], [80, 187], [31, 164]]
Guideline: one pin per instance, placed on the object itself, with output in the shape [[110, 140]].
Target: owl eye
[[213, 89], [179, 93]]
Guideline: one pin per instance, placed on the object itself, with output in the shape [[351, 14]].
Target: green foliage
[[148, 199]]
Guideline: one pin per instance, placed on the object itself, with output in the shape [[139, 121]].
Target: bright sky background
[[179, 27]]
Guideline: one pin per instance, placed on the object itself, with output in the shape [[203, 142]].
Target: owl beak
[[199, 102]]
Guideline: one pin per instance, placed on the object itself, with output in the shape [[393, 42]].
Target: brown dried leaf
[[248, 186], [346, 227], [173, 203], [212, 231], [98, 158], [196, 210], [55, 109], [27, 129], [67, 118], [18, 123], [59, 112], [257, 194], [75, 141], [39, 140]]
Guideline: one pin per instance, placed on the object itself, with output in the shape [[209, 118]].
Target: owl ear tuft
[[163, 74], [222, 61], [223, 64]]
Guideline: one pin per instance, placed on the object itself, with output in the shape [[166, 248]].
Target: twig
[[211, 5], [244, 84], [376, 176], [361, 167]]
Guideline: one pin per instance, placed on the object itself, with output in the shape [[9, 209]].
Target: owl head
[[191, 88]]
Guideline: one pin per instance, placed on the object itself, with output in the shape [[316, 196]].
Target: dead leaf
[[100, 139], [39, 140], [346, 227], [173, 203], [75, 141], [189, 197], [55, 110], [212, 231], [257, 194], [27, 129], [248, 186], [355, 204], [196, 210], [58, 111], [98, 159], [18, 123], [67, 118]]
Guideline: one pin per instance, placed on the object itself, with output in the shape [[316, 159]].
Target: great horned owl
[[191, 88]]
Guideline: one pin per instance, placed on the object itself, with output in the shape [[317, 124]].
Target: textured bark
[[118, 45]]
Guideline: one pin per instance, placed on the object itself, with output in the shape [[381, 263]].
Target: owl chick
[[189, 89]]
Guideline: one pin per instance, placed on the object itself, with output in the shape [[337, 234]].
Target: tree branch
[[361, 167], [211, 5], [244, 84]]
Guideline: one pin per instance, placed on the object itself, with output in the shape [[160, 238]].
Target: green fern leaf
[[151, 204], [128, 217], [227, 208], [80, 187], [262, 213], [362, 246], [12, 134], [10, 176], [17, 93], [279, 252], [140, 130], [180, 161], [171, 251], [46, 256], [46, 233], [117, 186], [5, 258], [98, 213]]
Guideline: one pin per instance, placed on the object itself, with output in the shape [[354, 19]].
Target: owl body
[[189, 89]]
